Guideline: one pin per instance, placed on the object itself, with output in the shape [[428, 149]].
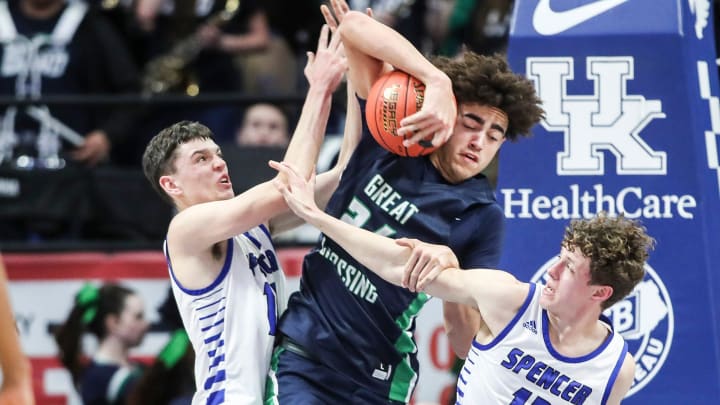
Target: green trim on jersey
[[404, 377], [271, 383]]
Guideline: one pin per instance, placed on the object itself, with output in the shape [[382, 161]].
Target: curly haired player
[[347, 334]]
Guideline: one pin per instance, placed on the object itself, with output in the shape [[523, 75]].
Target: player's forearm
[[366, 35], [15, 367], [378, 253], [461, 324], [310, 131]]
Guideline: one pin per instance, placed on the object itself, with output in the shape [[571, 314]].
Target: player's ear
[[168, 184], [602, 292]]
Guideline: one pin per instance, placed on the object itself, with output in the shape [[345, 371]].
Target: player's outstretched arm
[[16, 377], [483, 289], [324, 72]]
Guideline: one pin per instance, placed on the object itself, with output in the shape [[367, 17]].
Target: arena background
[[633, 120]]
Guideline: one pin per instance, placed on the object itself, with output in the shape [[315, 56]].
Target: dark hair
[[159, 156], [617, 249], [92, 306], [488, 80], [170, 377]]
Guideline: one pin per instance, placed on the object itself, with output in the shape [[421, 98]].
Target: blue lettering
[[572, 387], [512, 358], [547, 378], [582, 395], [537, 368], [525, 363], [555, 389]]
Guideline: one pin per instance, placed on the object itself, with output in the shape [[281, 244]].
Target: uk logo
[[608, 120], [646, 321]]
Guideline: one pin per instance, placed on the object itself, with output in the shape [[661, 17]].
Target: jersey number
[[358, 214], [522, 396], [269, 291]]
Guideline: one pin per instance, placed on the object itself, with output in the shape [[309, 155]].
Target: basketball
[[394, 96]]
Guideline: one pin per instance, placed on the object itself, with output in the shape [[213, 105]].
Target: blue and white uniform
[[231, 323], [520, 366]]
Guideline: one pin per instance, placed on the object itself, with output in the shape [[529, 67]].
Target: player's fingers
[[428, 277], [341, 8], [369, 12], [416, 272], [323, 38], [329, 18], [409, 266], [421, 136], [406, 242], [417, 118], [310, 60], [334, 42]]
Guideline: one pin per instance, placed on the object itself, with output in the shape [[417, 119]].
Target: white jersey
[[231, 323], [520, 366]]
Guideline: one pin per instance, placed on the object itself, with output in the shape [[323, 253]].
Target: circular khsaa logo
[[645, 320]]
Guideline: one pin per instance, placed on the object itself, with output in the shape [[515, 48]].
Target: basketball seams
[[379, 126], [376, 94]]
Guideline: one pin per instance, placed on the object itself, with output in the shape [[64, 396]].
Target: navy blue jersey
[[350, 319], [107, 384]]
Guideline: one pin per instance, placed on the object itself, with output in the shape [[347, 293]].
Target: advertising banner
[[632, 127], [42, 288]]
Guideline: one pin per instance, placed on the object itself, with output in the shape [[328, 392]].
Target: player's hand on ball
[[436, 117]]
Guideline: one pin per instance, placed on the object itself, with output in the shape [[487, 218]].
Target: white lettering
[[630, 201]]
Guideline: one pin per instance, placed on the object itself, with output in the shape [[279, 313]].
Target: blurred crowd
[[166, 47], [90, 82]]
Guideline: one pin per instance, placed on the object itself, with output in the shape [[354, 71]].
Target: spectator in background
[[263, 125], [170, 380], [204, 37], [480, 26], [405, 16], [116, 316], [56, 47], [16, 386]]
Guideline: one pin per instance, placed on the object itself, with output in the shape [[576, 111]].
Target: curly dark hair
[[159, 156], [618, 249], [488, 80]]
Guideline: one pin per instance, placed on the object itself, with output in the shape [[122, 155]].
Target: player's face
[[478, 134], [568, 288], [200, 176], [131, 325]]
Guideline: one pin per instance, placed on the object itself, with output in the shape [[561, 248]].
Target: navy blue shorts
[[301, 380]]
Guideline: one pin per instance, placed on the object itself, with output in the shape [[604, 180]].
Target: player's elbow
[[353, 22]]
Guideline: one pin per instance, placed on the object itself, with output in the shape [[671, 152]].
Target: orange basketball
[[394, 96]]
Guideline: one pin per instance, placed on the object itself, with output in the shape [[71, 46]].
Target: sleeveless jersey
[[348, 318], [520, 366], [231, 323]]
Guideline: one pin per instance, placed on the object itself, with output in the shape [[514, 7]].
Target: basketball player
[[537, 344], [225, 274], [347, 334]]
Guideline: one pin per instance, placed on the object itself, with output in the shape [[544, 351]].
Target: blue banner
[[632, 126]]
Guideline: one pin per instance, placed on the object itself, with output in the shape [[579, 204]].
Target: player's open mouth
[[470, 156]]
